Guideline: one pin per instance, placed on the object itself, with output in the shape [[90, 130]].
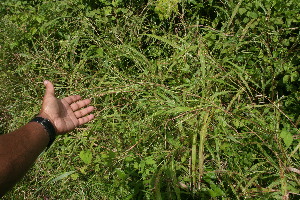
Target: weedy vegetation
[[195, 99]]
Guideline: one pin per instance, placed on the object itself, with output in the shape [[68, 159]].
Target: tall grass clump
[[195, 99]]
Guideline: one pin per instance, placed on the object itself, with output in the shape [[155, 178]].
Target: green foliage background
[[195, 99]]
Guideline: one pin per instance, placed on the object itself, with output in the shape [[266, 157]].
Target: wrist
[[46, 116], [48, 126]]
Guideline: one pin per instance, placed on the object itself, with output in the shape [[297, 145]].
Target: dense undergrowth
[[195, 99]]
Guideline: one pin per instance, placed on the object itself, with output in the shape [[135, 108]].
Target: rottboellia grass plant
[[195, 99]]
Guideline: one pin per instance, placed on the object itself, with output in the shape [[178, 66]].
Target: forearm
[[18, 151]]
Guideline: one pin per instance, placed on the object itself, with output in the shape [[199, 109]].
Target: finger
[[49, 89], [83, 112], [80, 104], [72, 99], [86, 119]]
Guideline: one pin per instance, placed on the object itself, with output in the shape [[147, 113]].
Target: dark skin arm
[[19, 149]]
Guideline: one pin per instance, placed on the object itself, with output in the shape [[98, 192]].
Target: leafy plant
[[195, 99]]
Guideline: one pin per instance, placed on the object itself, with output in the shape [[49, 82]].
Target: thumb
[[49, 89]]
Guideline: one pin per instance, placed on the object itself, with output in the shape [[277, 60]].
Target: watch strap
[[48, 127]]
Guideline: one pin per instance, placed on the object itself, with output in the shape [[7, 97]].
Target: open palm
[[65, 114]]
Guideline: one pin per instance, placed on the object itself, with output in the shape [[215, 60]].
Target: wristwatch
[[48, 127]]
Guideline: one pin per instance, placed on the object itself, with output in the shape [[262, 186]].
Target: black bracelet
[[49, 128]]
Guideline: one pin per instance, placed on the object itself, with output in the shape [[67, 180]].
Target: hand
[[65, 114]]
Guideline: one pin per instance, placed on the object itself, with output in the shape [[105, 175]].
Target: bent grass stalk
[[203, 134], [194, 156], [196, 183]]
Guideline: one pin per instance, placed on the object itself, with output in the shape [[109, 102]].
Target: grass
[[198, 102]]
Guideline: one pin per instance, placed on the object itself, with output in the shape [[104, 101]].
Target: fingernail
[[45, 82]]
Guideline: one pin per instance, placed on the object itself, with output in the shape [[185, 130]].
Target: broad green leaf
[[242, 10], [121, 174], [99, 52], [253, 15], [86, 156], [75, 176], [165, 8], [150, 161], [294, 76], [287, 137], [215, 191]]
